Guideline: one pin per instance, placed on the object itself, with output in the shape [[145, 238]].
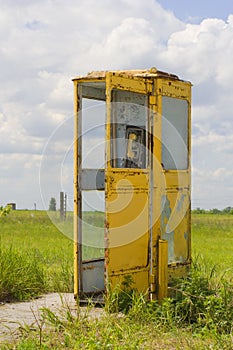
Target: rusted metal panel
[[147, 204], [127, 205], [175, 225], [132, 180], [127, 191], [123, 82], [178, 89], [151, 73], [162, 269], [93, 276], [76, 201], [176, 179], [139, 277]]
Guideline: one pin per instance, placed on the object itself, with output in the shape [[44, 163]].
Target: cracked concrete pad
[[16, 315]]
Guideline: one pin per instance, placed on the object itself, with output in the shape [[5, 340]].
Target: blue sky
[[44, 44], [197, 10]]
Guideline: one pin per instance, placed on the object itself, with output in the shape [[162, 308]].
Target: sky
[[195, 11], [44, 44]]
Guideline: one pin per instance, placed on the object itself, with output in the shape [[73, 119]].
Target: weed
[[21, 277], [144, 326], [62, 279], [199, 316], [121, 298], [32, 247], [4, 211]]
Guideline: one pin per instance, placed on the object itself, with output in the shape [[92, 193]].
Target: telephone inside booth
[[144, 181], [135, 151], [132, 153]]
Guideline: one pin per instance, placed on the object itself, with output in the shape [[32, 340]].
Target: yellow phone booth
[[144, 179]]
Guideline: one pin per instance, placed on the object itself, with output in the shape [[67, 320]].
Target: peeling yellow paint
[[147, 210]]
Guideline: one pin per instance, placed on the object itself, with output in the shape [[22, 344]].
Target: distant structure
[[12, 205], [63, 201]]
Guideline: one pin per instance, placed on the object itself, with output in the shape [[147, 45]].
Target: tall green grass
[[36, 247], [21, 277], [35, 256], [31, 237], [199, 316], [212, 241]]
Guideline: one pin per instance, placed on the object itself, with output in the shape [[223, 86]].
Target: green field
[[30, 237], [212, 240], [37, 257], [49, 242], [33, 235]]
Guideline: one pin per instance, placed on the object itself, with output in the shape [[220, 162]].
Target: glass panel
[[128, 130], [93, 134], [91, 177], [93, 203], [174, 133]]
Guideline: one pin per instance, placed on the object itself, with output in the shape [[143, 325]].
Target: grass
[[32, 247], [212, 240], [144, 326], [21, 277], [107, 332], [42, 253], [200, 316]]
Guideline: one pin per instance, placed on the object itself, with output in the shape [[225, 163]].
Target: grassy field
[[33, 248], [212, 240], [37, 258]]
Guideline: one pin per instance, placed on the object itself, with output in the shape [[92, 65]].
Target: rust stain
[[136, 189]]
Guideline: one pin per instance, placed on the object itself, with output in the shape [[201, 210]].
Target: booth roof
[[144, 73]]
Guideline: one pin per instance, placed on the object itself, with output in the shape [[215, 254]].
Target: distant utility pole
[[63, 205]]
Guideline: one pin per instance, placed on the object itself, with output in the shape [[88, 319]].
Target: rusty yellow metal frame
[[162, 269], [149, 265], [119, 246], [76, 257]]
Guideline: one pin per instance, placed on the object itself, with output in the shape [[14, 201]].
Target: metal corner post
[[162, 269], [76, 204]]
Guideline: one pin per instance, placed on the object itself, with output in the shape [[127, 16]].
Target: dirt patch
[[16, 315]]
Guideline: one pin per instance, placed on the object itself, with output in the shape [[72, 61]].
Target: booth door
[[127, 180]]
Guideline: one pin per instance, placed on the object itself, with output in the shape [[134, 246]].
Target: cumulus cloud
[[45, 43], [204, 49]]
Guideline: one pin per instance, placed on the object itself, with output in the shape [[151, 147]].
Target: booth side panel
[[172, 183]]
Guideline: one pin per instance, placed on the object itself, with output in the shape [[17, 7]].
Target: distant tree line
[[227, 210]]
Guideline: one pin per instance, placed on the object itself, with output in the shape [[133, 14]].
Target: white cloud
[[43, 44], [202, 50], [19, 179], [223, 174]]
